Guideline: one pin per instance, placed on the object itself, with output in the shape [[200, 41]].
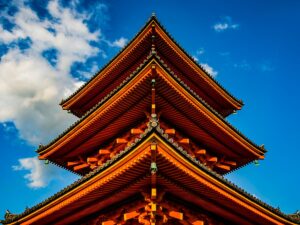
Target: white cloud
[[195, 58], [120, 43], [39, 175], [225, 24], [209, 69], [31, 87]]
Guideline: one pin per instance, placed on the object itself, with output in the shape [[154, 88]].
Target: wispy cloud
[[244, 65], [199, 52], [120, 43], [225, 24], [266, 67], [209, 69], [39, 175]]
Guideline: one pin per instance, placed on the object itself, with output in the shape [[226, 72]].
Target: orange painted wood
[[73, 163], [128, 216], [223, 167], [93, 166], [231, 163], [153, 207], [212, 159], [80, 167], [121, 141], [184, 141], [170, 131], [136, 131], [198, 222], [92, 159], [176, 215], [200, 152], [104, 152], [109, 222]]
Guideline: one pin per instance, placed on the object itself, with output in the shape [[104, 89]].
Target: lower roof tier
[[152, 161]]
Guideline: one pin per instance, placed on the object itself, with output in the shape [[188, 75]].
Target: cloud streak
[[225, 24], [209, 69], [39, 175]]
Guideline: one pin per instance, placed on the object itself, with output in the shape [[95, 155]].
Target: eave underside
[[126, 112], [176, 176]]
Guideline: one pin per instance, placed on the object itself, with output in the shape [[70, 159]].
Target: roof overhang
[[128, 172], [186, 111]]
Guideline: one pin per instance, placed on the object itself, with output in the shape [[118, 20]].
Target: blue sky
[[48, 49]]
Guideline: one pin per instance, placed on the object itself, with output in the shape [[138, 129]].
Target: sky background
[[49, 48]]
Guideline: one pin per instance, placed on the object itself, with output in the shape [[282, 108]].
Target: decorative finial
[[8, 215], [153, 14], [153, 82], [153, 168], [262, 146]]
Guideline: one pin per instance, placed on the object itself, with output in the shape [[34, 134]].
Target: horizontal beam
[[198, 222], [223, 167], [80, 167], [121, 141], [212, 159], [92, 159], [231, 163], [136, 131], [176, 215], [109, 222], [200, 152], [73, 163], [184, 141], [128, 216], [104, 152], [170, 131]]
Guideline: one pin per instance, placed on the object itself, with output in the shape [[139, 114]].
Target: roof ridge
[[95, 107], [152, 18], [194, 94], [106, 65], [196, 63]]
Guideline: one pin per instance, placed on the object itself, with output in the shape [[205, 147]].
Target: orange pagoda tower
[[152, 146]]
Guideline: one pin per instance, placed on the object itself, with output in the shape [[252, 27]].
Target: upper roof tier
[[152, 37]]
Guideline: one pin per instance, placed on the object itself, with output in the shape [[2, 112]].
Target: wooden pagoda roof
[[128, 172], [125, 105], [120, 67]]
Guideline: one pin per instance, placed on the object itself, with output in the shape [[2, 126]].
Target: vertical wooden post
[[153, 193]]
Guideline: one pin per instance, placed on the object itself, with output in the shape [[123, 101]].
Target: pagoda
[[152, 145]]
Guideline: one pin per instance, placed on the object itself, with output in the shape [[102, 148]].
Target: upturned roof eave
[[151, 130], [43, 149]]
